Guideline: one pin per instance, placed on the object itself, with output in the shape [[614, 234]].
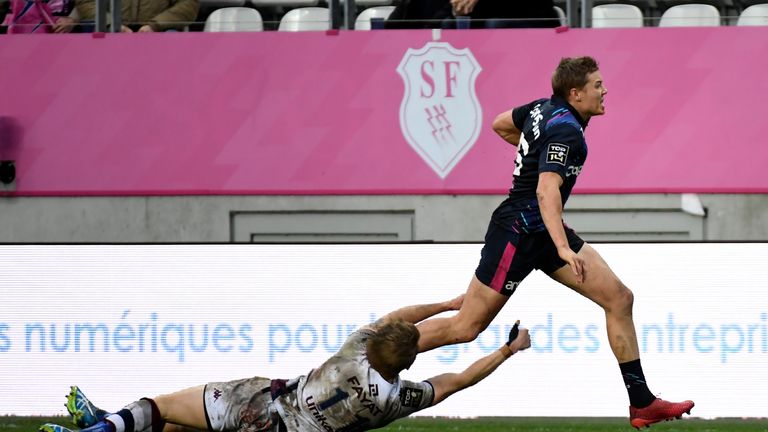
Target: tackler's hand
[[519, 339], [454, 304]]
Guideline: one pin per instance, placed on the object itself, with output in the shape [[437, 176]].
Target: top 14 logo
[[440, 115]]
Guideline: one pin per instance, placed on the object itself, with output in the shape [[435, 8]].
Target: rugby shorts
[[508, 257], [243, 405]]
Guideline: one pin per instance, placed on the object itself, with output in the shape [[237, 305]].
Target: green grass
[[28, 424], [492, 424], [538, 424]]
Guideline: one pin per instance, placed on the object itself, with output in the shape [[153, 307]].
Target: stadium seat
[[755, 15], [722, 6], [616, 15], [561, 16], [305, 19], [234, 19], [690, 15], [363, 21]]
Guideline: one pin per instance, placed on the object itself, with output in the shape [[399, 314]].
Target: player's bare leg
[[480, 307], [185, 408], [603, 287]]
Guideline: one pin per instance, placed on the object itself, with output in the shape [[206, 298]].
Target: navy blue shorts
[[508, 257]]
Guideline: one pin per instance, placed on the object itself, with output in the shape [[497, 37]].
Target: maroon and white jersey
[[345, 394]]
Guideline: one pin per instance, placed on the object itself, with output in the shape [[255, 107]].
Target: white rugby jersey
[[345, 394]]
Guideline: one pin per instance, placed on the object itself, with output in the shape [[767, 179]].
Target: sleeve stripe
[[432, 395]]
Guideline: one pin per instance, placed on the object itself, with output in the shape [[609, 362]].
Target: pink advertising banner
[[380, 112]]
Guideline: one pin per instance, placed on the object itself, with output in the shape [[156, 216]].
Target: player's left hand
[[519, 338], [463, 7], [575, 262], [64, 24]]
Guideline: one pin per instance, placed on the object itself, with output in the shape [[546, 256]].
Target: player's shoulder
[[531, 106], [560, 123], [560, 117]]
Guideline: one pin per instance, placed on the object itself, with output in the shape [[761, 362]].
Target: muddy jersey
[[345, 394], [552, 140]]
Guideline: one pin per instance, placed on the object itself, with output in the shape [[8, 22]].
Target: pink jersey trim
[[497, 283]]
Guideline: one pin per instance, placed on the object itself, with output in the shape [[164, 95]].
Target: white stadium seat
[[234, 19], [755, 15], [561, 16], [305, 19], [690, 15], [363, 21], [616, 15]]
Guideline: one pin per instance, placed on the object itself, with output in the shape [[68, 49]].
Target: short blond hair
[[393, 347]]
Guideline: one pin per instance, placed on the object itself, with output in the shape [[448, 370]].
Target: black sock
[[157, 420], [634, 379]]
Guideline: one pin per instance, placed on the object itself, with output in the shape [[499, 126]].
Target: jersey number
[[333, 400], [521, 151]]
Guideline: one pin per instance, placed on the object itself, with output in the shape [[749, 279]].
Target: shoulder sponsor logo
[[411, 397], [573, 170], [440, 115], [557, 153]]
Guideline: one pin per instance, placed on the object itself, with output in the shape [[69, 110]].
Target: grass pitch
[[492, 424]]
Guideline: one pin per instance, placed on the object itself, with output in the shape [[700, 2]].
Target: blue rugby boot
[[101, 426], [84, 413]]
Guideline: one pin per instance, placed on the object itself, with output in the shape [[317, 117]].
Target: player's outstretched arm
[[417, 313], [449, 383]]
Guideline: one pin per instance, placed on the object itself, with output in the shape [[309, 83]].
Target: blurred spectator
[[483, 13], [39, 16], [507, 13], [413, 14], [66, 24], [5, 6], [147, 15]]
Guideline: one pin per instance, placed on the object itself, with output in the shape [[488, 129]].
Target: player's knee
[[624, 299]]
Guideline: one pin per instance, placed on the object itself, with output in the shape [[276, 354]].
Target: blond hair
[[393, 347]]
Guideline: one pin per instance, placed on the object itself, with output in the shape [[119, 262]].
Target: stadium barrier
[[126, 321]]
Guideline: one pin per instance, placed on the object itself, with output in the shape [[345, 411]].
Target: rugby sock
[[634, 379], [140, 416]]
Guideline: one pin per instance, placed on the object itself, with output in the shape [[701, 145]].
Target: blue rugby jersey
[[552, 140]]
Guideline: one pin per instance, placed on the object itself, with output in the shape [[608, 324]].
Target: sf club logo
[[440, 115]]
